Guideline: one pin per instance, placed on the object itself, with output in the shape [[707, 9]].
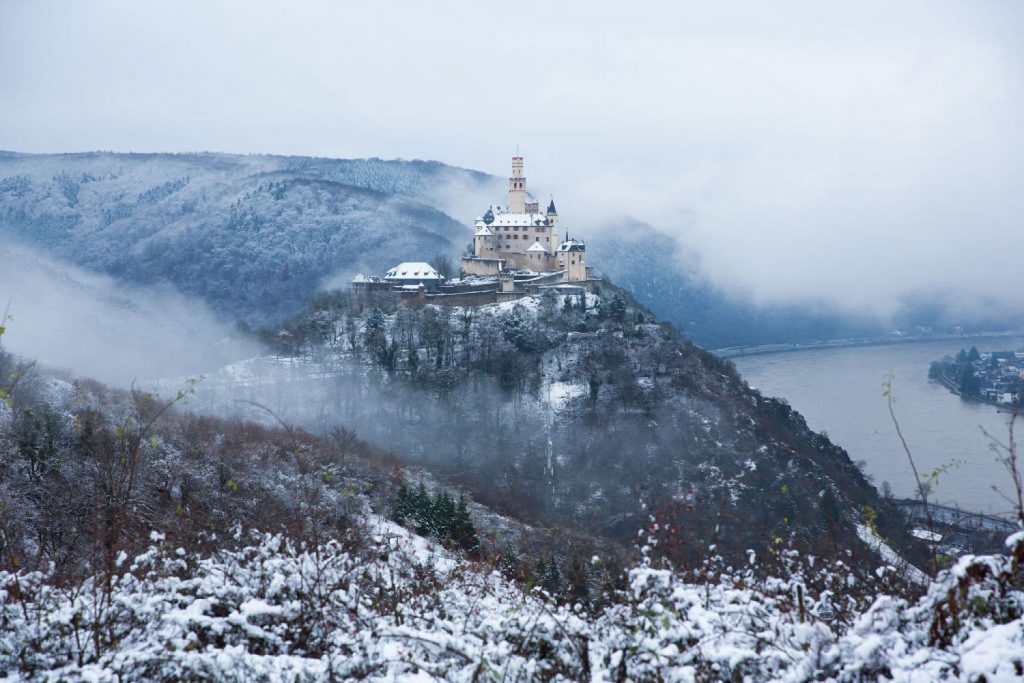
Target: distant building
[[414, 273], [520, 236]]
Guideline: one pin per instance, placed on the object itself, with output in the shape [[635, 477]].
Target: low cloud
[[64, 317]]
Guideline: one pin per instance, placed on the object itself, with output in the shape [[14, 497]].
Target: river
[[839, 391]]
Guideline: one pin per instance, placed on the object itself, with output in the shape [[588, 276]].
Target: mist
[[848, 155], [64, 317]]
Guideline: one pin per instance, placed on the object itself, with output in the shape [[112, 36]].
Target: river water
[[839, 391]]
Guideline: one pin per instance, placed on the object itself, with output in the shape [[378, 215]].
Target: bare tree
[[443, 264], [1007, 454], [343, 439]]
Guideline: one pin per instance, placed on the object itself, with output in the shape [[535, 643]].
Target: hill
[[253, 236], [639, 419], [142, 542]]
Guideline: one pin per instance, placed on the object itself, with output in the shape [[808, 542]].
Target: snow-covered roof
[[500, 215], [365, 278], [572, 244], [537, 247], [530, 199], [413, 270], [484, 232], [520, 219]]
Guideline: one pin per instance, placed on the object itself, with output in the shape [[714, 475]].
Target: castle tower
[[517, 187], [572, 258], [483, 242], [552, 217]]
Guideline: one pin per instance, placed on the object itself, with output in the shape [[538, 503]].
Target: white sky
[[846, 151]]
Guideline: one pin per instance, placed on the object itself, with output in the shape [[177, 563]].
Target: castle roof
[[537, 247], [484, 232], [572, 245], [413, 270], [502, 216], [551, 208]]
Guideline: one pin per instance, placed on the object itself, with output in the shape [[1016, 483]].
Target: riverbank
[[839, 391], [951, 383], [737, 351]]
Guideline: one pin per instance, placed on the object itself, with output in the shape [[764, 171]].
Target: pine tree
[[422, 510], [443, 515], [463, 533], [374, 331], [403, 504], [551, 581]]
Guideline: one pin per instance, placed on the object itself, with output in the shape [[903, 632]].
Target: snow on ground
[[399, 610], [561, 393], [891, 557]]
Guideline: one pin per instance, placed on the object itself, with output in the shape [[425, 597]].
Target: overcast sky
[[850, 151]]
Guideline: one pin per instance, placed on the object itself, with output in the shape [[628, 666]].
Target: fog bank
[[62, 316]]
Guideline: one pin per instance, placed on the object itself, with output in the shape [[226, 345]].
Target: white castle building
[[519, 236]]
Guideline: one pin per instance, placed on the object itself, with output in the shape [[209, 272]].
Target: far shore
[[737, 351]]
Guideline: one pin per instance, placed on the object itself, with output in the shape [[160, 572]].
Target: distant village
[[996, 377], [516, 251]]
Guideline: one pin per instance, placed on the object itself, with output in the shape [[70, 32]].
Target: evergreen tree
[[462, 531], [422, 510], [403, 509], [969, 385], [551, 580], [374, 332], [617, 308], [443, 515]]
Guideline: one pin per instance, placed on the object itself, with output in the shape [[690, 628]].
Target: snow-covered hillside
[[394, 610], [630, 410], [254, 236]]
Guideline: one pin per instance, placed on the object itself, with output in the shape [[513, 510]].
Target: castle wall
[[482, 265], [540, 262]]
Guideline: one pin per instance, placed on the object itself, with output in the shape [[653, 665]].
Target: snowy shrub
[[399, 609]]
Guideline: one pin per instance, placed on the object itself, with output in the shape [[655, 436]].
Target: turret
[[517, 187], [483, 241], [552, 217], [572, 258]]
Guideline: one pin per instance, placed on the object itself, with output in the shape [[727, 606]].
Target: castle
[[519, 237], [516, 252]]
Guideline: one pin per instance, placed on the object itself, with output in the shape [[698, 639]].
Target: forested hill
[[254, 236], [634, 414]]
